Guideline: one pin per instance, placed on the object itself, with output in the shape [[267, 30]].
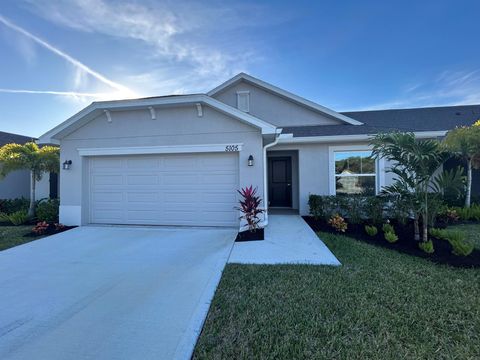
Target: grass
[[379, 305], [472, 231], [11, 236]]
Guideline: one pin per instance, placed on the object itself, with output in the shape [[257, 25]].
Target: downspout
[[265, 182]]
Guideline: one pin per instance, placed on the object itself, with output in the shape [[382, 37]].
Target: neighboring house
[[179, 160], [17, 183]]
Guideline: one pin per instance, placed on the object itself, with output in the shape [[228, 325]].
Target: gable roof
[[96, 108], [284, 94], [8, 138], [431, 119]]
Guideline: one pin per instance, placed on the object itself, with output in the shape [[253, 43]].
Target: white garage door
[[176, 189]]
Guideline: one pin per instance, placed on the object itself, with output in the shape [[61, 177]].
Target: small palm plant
[[250, 207], [29, 157]]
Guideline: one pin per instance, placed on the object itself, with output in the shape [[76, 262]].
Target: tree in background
[[464, 143], [29, 157]]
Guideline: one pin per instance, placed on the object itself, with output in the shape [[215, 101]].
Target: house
[[179, 160], [17, 184]]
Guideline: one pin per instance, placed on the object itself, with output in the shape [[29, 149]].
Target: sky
[[56, 57]]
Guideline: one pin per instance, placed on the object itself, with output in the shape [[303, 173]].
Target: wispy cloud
[[78, 65], [187, 37], [51, 92], [445, 89]]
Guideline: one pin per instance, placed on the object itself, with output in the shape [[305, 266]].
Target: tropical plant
[[464, 143], [427, 246], [47, 210], [29, 157], [338, 223], [457, 239], [250, 207], [371, 230], [18, 218], [391, 237], [414, 163]]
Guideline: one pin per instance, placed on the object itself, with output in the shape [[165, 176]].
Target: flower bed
[[250, 235], [48, 228], [406, 244]]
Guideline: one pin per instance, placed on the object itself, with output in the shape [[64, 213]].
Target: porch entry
[[280, 181]]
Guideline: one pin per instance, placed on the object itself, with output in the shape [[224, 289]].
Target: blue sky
[[58, 56]]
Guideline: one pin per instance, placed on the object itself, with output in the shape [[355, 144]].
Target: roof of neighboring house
[[8, 138], [414, 120]]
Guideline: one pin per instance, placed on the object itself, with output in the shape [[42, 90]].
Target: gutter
[[265, 175]]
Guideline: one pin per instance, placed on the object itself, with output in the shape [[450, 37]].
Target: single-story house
[[180, 159], [17, 184]]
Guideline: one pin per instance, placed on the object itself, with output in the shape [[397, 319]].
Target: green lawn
[[473, 231], [379, 305], [11, 236]]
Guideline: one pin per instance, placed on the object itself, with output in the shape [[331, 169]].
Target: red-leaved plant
[[249, 206]]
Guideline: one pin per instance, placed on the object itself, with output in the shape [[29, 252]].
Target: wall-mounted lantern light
[[67, 164], [250, 160]]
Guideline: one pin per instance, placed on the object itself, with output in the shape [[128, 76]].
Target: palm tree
[[29, 157], [414, 162], [464, 143]]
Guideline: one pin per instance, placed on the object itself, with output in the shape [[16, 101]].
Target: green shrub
[[47, 210], [461, 246], [469, 214], [374, 208], [391, 237], [388, 228], [426, 246], [338, 223], [9, 206], [18, 218], [371, 230], [315, 205], [4, 218]]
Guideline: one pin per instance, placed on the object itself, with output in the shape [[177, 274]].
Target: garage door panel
[[176, 189]]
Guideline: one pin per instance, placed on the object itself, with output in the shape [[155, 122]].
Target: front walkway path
[[288, 240]]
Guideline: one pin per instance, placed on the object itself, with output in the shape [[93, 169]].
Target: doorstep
[[288, 240]]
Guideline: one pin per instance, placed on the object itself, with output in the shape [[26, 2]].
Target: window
[[355, 172], [243, 100]]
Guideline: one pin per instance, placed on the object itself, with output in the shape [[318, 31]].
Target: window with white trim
[[243, 101], [355, 172]]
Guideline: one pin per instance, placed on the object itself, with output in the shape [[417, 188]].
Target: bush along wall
[[385, 221]]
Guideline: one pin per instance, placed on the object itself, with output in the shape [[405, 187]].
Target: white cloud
[[184, 36], [446, 89], [120, 90]]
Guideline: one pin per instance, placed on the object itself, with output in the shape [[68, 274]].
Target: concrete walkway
[[110, 292], [288, 240]]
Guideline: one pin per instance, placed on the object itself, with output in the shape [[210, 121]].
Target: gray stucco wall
[[273, 108], [173, 126], [15, 185]]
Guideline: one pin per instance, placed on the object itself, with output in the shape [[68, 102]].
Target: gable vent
[[243, 101]]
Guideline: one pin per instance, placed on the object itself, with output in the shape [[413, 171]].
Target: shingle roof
[[420, 119], [7, 138]]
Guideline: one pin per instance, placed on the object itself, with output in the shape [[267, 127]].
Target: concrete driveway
[[110, 292]]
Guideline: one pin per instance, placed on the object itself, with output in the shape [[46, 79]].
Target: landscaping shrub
[[338, 223], [388, 228], [426, 246], [371, 230], [9, 206], [18, 218], [374, 208], [41, 228], [469, 214], [250, 207], [47, 210], [460, 245], [353, 208], [448, 215], [391, 237]]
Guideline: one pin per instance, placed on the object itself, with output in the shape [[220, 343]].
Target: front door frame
[[288, 182]]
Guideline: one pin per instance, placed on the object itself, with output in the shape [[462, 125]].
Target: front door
[[280, 181]]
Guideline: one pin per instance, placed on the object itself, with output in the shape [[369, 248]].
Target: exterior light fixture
[[250, 160], [67, 164]]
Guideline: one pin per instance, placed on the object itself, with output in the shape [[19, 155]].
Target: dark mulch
[[405, 244], [250, 235], [51, 230]]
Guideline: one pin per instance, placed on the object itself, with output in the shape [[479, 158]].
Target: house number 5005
[[230, 148]]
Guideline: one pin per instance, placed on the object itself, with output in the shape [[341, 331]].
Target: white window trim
[[379, 167], [247, 93], [173, 149]]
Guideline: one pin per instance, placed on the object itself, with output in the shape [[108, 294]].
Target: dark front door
[[280, 181]]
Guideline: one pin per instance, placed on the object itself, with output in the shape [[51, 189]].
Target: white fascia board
[[265, 127], [169, 149], [286, 94], [286, 139]]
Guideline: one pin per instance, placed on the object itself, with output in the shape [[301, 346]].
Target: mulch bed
[[405, 244], [51, 230], [250, 235]]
